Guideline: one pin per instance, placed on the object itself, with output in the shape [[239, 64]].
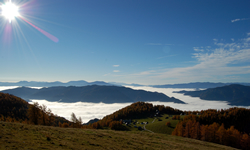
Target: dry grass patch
[[21, 136]]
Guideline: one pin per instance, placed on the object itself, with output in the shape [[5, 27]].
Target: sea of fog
[[89, 111]]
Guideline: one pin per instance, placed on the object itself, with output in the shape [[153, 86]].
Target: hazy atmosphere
[[144, 42], [89, 111], [98, 110]]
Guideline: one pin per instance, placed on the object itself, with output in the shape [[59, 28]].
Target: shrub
[[168, 124]]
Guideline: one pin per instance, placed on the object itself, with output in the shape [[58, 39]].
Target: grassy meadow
[[156, 124], [23, 136], [159, 125]]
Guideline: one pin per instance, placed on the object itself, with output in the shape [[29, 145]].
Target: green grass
[[22, 136], [157, 126], [160, 126]]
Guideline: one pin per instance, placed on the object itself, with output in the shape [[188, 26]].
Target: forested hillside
[[229, 127], [15, 109], [133, 111]]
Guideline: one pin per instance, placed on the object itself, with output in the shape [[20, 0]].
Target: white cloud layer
[[89, 111]]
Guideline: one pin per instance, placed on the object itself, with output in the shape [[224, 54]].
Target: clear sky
[[131, 41]]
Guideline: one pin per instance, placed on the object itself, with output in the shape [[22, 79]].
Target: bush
[[168, 124]]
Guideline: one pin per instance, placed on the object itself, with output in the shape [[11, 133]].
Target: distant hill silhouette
[[85, 83], [50, 84], [197, 85], [92, 93], [91, 121], [235, 94]]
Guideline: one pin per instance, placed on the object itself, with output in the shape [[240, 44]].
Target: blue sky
[[131, 41]]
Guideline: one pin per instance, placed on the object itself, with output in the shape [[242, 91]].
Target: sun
[[10, 11]]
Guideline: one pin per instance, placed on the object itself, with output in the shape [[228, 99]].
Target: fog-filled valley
[[88, 110]]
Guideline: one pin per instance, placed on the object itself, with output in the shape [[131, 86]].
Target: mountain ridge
[[197, 85], [85, 83], [235, 94], [90, 93], [50, 84]]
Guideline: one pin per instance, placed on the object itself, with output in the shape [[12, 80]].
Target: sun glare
[[10, 11]]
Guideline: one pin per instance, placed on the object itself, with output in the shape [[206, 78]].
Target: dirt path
[[147, 129], [153, 120]]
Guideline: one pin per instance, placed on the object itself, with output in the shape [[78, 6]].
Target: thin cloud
[[116, 70], [235, 20], [158, 44], [107, 74], [154, 44], [227, 59], [166, 56], [116, 65], [150, 72], [198, 49]]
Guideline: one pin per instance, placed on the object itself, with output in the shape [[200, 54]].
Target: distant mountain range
[[235, 94], [197, 85], [50, 84], [85, 83], [91, 93]]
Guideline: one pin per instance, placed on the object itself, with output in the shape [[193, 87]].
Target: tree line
[[15, 109], [228, 127]]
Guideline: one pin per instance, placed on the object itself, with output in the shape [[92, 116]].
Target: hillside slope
[[235, 94], [21, 136], [15, 109], [93, 93]]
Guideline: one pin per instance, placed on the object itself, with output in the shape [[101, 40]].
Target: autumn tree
[[234, 137], [188, 129], [96, 125], [65, 125], [204, 132], [34, 113], [212, 129], [245, 141], [50, 117], [44, 116], [116, 125], [221, 134], [196, 132], [168, 124], [77, 123]]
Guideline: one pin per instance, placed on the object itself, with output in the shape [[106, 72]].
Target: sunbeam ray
[[50, 36]]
